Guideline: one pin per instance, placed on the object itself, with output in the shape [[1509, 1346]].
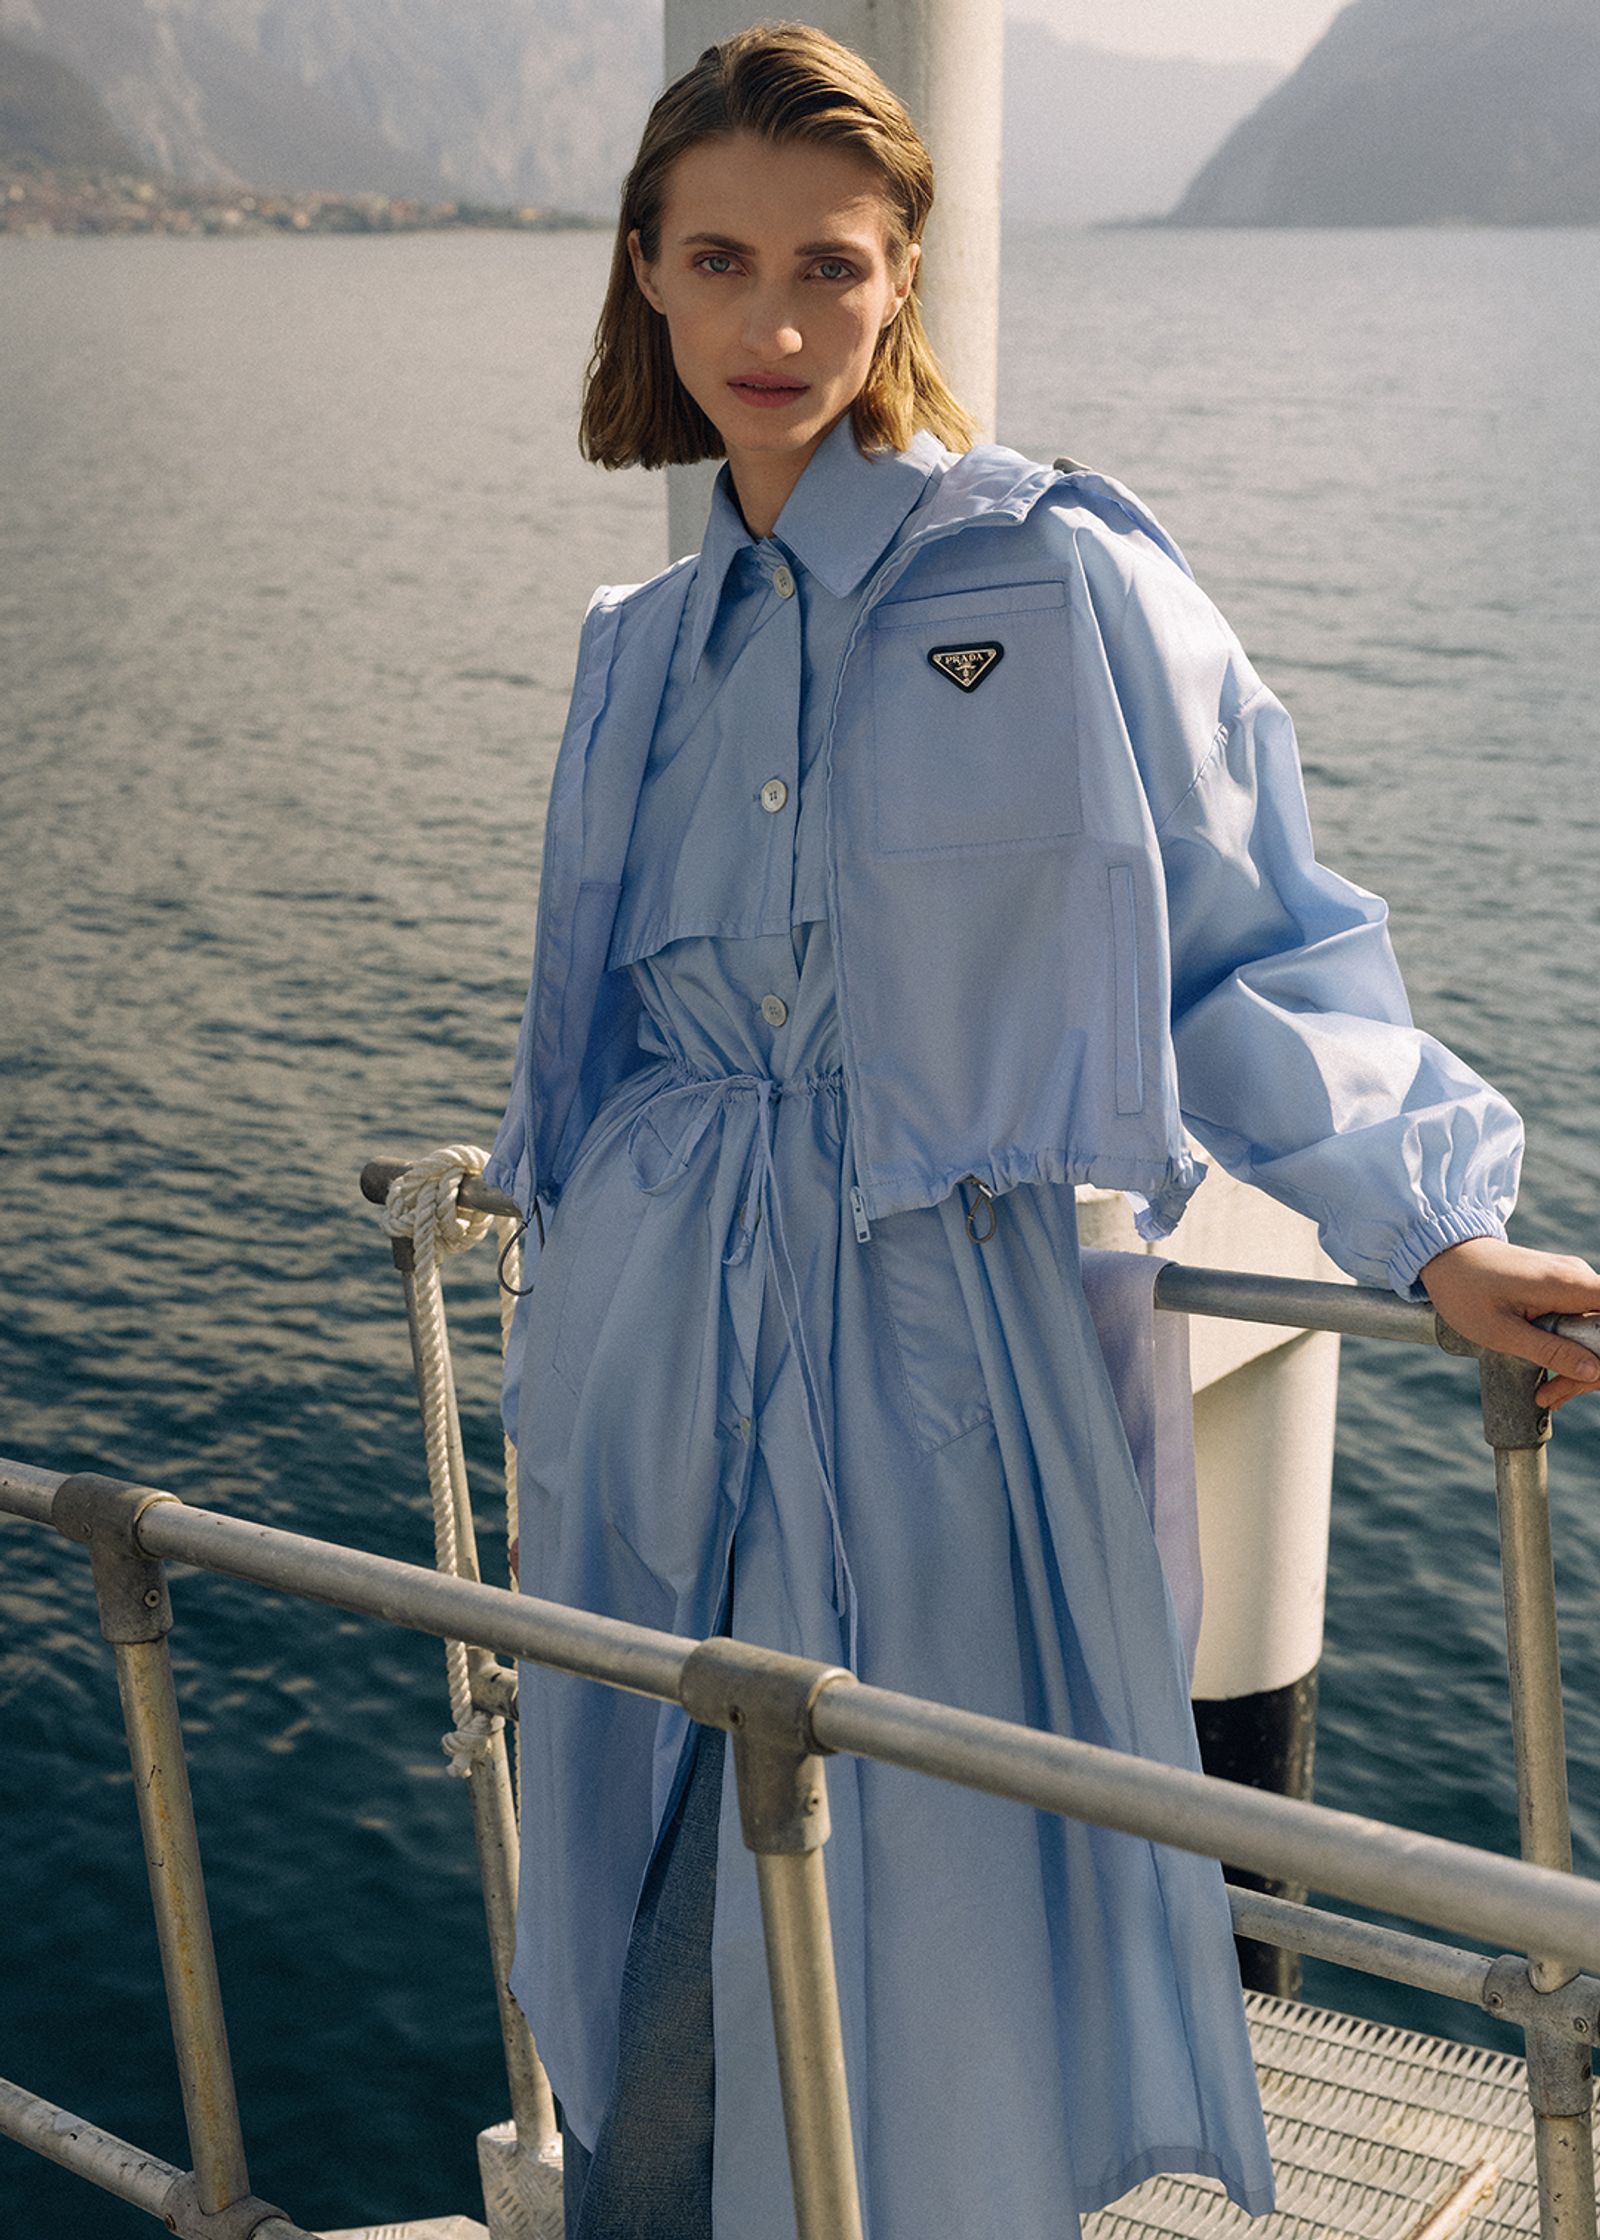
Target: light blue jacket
[[1076, 909]]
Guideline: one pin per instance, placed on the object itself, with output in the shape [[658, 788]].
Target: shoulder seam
[[626, 593]]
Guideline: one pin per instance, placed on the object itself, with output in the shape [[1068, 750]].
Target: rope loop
[[423, 1205], [468, 1744]]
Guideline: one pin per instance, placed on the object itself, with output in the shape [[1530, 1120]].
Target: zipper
[[863, 1226], [888, 572]]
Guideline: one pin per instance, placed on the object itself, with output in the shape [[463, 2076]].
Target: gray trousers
[[649, 2175]]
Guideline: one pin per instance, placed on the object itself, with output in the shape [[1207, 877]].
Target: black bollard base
[[1266, 1741]]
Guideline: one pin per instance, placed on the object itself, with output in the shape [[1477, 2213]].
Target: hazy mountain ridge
[[1422, 111], [507, 100], [49, 114], [540, 101], [195, 105], [1093, 135]]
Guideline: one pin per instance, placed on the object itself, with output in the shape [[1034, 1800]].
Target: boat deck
[[1373, 2130]]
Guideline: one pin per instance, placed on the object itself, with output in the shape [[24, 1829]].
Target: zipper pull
[[863, 1229], [981, 1215]]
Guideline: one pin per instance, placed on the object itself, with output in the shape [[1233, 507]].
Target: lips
[[767, 389]]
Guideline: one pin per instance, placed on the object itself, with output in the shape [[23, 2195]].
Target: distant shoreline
[[58, 201]]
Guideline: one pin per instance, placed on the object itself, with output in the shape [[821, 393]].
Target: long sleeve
[[1299, 1067]]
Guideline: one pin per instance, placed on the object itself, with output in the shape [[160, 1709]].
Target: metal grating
[[1371, 2128], [427, 2228]]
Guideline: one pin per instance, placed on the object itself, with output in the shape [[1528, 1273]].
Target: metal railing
[[785, 1714]]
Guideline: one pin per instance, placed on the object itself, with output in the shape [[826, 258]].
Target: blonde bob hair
[[788, 82]]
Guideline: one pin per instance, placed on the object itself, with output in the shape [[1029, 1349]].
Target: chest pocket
[[991, 765]]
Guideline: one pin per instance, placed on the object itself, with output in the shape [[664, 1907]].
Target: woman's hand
[[1493, 1292]]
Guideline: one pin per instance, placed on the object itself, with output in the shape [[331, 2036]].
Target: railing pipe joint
[[1511, 1416], [1570, 2012], [1512, 1419], [1560, 2075], [765, 1701], [240, 2220], [494, 1687], [130, 1587]]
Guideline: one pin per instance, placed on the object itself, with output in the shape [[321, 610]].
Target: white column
[[1264, 1463], [944, 59]]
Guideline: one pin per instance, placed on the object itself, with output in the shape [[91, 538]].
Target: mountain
[[1415, 112], [520, 101], [1092, 135], [540, 101], [50, 116]]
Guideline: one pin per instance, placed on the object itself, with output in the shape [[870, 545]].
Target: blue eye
[[834, 268], [718, 257]]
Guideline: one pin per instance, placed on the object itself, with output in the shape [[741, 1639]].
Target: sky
[[1280, 31]]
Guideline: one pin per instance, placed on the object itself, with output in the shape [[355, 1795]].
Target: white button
[[773, 795], [774, 1010], [783, 583]]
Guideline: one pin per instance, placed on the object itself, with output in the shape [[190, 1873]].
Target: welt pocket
[[1128, 1061], [919, 1292], [993, 763], [594, 1272]]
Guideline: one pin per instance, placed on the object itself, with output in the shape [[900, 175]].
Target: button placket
[[777, 790]]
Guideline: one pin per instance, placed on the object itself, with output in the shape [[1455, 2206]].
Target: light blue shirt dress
[[915, 1443]]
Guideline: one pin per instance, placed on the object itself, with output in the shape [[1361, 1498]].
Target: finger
[[1579, 1338], [1556, 1392], [1561, 1357], [1584, 1328]]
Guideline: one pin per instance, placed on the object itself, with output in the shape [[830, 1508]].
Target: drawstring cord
[[762, 1197]]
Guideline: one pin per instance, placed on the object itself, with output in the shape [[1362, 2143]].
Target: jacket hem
[[1256, 2200], [1163, 1188]]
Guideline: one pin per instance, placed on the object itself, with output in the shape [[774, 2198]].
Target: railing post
[[136, 1617], [1519, 1432], [764, 1701], [1560, 2080]]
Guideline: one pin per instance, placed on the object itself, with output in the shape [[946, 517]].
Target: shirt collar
[[838, 520]]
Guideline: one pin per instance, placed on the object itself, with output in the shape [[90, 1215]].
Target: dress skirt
[[913, 1446]]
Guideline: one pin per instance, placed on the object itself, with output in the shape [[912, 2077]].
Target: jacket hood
[[987, 480]]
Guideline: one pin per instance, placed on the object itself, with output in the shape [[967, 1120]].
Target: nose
[[771, 327]]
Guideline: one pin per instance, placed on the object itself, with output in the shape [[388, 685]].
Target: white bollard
[[1265, 1401]]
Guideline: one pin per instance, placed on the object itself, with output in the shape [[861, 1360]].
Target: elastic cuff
[[1435, 1233]]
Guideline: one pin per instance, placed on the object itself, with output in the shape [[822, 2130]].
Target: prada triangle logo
[[966, 666]]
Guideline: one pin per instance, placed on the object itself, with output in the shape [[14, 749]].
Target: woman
[[910, 851]]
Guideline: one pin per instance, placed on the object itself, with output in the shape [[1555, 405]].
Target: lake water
[[294, 541]]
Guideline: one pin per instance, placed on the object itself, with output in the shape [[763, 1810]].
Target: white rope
[[423, 1205], [522, 2184]]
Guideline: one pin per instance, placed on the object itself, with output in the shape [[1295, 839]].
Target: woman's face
[[775, 282]]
